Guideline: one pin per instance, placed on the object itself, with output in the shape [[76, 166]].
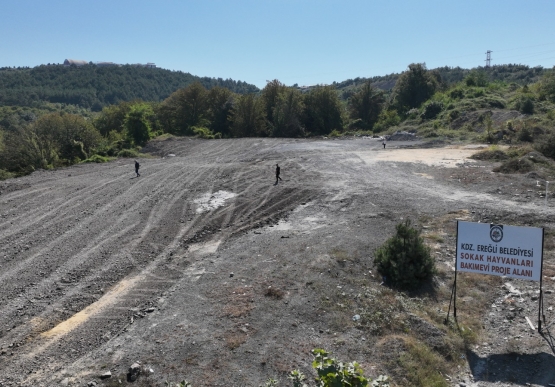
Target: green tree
[[220, 105], [547, 86], [248, 117], [76, 137], [476, 78], [366, 105], [404, 259], [186, 108], [112, 118], [137, 124], [413, 87], [323, 111], [287, 114], [270, 97]]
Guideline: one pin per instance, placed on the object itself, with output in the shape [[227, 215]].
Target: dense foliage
[[94, 87]]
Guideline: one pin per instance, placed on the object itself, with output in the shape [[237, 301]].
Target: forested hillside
[[94, 87], [510, 73]]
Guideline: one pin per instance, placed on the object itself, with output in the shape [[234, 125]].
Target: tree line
[[32, 138], [94, 87]]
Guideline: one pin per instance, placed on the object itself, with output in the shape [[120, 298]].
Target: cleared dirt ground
[[203, 269]]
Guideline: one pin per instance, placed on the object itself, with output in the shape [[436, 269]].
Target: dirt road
[[99, 269]]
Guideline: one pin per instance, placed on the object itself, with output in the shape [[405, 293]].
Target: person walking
[[383, 143], [278, 170], [137, 165]]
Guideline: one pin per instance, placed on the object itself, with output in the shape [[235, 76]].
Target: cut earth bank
[[203, 269]]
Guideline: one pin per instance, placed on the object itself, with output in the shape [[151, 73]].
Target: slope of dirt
[[203, 269]]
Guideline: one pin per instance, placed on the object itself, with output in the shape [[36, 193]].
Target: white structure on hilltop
[[69, 62], [74, 62]]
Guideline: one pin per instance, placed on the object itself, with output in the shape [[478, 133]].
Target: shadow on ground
[[537, 368]]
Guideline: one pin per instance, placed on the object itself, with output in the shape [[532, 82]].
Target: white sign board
[[502, 250]]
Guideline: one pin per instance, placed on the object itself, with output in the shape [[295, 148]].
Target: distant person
[[137, 165], [383, 143], [278, 170]]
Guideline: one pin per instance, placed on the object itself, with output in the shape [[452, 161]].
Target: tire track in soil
[[108, 314]]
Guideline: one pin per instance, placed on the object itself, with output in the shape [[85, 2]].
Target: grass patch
[[340, 255], [128, 153], [433, 236], [98, 159], [234, 340], [423, 367]]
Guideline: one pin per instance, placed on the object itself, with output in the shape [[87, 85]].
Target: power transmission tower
[[488, 58]]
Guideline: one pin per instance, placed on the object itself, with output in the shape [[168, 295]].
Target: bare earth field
[[203, 269]]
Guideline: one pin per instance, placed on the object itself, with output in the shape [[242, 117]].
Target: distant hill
[[94, 87], [509, 73]]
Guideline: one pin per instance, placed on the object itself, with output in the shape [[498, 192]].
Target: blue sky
[[295, 41]]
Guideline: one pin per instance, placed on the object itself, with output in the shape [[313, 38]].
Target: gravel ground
[[202, 268]]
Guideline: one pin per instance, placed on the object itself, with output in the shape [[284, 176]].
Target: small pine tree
[[404, 259]]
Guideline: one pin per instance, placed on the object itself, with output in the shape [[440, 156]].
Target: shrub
[[129, 153], [493, 153], [332, 373], [205, 133], [456, 93], [404, 259], [524, 104], [546, 145], [525, 135], [521, 165], [454, 114], [431, 110], [5, 174], [97, 159]]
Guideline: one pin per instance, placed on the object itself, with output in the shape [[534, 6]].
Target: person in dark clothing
[[137, 168], [383, 143], [278, 169]]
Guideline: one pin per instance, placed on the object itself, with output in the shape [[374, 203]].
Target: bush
[[431, 110], [97, 159], [404, 259], [332, 373], [5, 174], [546, 145], [128, 153], [524, 104], [493, 153], [454, 114], [521, 165], [205, 133]]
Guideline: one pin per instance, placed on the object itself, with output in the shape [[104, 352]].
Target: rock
[[356, 317], [230, 275], [64, 382], [106, 375], [150, 310], [134, 372], [91, 384]]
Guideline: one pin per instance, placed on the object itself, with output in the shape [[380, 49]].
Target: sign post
[[502, 250]]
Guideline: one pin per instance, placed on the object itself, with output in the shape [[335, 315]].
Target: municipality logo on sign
[[496, 232]]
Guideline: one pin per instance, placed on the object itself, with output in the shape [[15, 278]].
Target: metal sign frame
[[453, 298]]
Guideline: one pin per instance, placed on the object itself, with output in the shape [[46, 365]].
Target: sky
[[302, 42]]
